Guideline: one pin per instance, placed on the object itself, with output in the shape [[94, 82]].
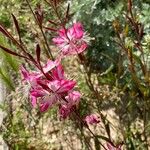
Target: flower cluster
[[52, 88], [49, 86]]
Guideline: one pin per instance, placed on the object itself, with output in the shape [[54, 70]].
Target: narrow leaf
[[103, 138], [141, 34], [11, 52], [38, 52], [67, 12], [17, 26], [4, 31], [48, 28], [7, 34], [107, 127], [52, 22]]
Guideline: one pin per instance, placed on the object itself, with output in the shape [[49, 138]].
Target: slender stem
[[48, 51], [85, 125], [135, 26], [145, 121], [57, 14], [87, 143], [47, 43], [80, 119]]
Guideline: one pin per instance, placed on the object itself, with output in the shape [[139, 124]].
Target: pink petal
[[30, 77], [58, 73], [78, 29], [71, 33], [54, 85], [66, 86], [111, 147], [33, 100], [49, 66], [37, 93], [62, 33], [66, 49], [73, 98], [48, 102], [24, 72], [78, 49], [58, 40], [44, 107]]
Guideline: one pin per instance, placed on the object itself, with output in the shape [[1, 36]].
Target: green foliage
[[7, 62], [97, 17], [112, 65]]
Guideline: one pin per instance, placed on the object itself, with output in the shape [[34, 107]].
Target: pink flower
[[50, 93], [111, 147], [71, 41], [45, 98], [92, 119], [52, 88], [30, 78], [72, 100], [48, 101], [64, 111]]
